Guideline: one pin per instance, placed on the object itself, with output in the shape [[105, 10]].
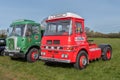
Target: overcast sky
[[99, 15]]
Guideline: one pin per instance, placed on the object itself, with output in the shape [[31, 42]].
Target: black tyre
[[81, 61], [107, 53], [2, 53], [33, 55]]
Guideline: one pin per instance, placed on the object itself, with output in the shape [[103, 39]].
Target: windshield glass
[[61, 27], [32, 29], [17, 30]]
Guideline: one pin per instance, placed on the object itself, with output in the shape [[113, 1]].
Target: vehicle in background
[[2, 46], [24, 40]]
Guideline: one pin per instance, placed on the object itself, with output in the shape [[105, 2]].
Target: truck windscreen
[[59, 27], [17, 30]]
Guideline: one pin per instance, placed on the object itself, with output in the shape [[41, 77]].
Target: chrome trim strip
[[12, 51], [58, 50], [61, 45]]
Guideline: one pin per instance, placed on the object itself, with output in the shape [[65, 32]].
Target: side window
[[78, 27], [35, 29]]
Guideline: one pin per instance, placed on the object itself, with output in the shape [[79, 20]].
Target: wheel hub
[[83, 61], [34, 55], [108, 54]]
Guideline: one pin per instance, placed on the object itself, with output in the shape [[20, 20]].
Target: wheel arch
[[34, 46], [81, 53], [82, 49]]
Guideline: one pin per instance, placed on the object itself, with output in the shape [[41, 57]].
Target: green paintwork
[[24, 42], [24, 21]]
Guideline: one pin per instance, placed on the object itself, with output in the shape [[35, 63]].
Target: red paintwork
[[69, 41], [108, 54]]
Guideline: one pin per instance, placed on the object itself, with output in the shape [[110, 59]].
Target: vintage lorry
[[2, 46], [65, 41], [24, 40]]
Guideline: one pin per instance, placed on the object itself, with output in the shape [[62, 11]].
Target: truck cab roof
[[64, 15], [24, 21]]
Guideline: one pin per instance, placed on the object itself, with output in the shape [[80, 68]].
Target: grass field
[[97, 70]]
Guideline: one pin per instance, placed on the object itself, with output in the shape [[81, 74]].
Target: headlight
[[64, 56], [17, 48]]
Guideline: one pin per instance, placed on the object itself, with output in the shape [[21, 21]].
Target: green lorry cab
[[24, 40]]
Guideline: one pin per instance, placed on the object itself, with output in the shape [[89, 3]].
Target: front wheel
[[81, 61], [33, 55]]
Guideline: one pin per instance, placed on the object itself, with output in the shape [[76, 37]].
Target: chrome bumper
[[13, 53], [54, 59]]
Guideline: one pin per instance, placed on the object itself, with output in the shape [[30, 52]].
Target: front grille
[[53, 47], [56, 41], [49, 41], [11, 44], [53, 42], [49, 47]]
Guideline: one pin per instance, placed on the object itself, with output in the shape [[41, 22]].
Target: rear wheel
[[33, 55], [82, 60], [107, 53]]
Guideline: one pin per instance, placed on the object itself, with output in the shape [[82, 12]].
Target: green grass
[[97, 70]]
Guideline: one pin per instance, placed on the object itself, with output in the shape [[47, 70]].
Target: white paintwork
[[68, 14], [94, 49]]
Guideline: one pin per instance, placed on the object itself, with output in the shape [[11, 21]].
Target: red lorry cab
[[65, 41]]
